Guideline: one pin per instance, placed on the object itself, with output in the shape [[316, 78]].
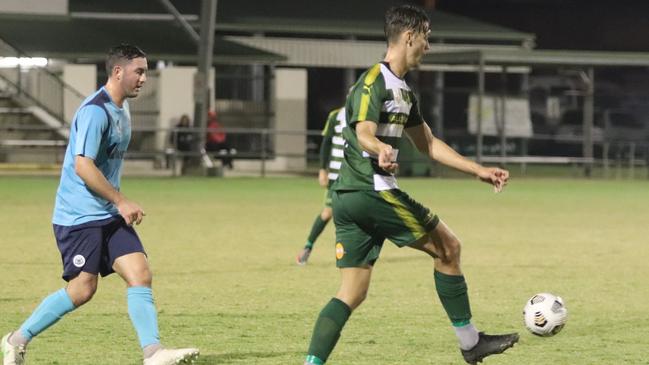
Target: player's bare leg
[[134, 269], [79, 291], [445, 247], [353, 291]]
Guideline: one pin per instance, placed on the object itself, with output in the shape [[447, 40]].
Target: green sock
[[316, 229], [327, 330], [452, 292], [312, 360]]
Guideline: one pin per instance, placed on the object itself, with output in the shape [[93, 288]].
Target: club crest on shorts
[[340, 251], [79, 261]]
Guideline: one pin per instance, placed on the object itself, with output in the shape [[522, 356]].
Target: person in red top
[[216, 140]]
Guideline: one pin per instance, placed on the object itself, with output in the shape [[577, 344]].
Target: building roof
[[296, 17], [338, 53], [89, 39]]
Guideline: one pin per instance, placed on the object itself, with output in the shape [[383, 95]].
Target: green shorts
[[365, 218]]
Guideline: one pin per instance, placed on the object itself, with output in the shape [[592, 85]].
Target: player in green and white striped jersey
[[331, 158], [368, 206]]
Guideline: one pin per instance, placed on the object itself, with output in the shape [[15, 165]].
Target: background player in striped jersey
[[369, 207], [331, 156]]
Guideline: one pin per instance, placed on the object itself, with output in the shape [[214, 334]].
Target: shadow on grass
[[214, 359]]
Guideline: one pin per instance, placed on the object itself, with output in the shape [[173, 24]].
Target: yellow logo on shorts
[[340, 251]]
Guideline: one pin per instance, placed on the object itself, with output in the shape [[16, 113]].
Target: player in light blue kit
[[93, 220]]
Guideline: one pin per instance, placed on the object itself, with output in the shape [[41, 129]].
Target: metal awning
[[344, 53], [525, 57], [88, 40]]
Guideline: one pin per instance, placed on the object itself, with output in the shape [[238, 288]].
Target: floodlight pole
[[205, 44], [202, 76], [183, 23]]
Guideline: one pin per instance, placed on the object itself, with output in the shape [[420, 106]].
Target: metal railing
[[618, 159]]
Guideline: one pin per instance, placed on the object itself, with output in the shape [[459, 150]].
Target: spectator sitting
[[182, 140], [216, 140]]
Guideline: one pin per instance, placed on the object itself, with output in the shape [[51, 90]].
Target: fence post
[[264, 136], [605, 149], [631, 160]]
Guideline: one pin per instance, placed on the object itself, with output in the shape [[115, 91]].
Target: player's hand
[[495, 176], [386, 159], [130, 211], [323, 179]]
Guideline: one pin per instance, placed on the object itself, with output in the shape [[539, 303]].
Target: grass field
[[223, 250]]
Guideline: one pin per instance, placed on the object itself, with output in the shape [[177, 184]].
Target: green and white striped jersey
[[334, 129], [381, 97]]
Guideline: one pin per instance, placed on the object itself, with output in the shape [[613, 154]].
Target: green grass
[[223, 250]]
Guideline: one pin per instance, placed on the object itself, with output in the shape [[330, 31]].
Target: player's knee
[[141, 277], [82, 294], [353, 300], [452, 249], [361, 297]]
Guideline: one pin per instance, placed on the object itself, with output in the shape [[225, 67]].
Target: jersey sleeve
[[90, 124], [414, 118], [327, 135], [330, 125], [367, 97]]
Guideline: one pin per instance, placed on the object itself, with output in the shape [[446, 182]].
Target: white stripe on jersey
[[339, 128], [338, 140], [337, 152], [389, 130], [385, 182], [332, 175], [394, 150], [335, 165], [367, 154]]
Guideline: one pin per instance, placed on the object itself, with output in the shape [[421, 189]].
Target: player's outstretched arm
[[85, 168], [438, 150], [366, 134]]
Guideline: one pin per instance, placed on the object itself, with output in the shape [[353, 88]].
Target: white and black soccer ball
[[545, 314]]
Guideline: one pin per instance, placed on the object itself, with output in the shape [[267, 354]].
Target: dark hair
[[404, 17], [120, 53]]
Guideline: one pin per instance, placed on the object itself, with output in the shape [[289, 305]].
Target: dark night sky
[[620, 25]]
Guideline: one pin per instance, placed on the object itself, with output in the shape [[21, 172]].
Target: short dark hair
[[120, 53], [404, 17]]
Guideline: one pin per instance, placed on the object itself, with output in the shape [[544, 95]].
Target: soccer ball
[[545, 314]]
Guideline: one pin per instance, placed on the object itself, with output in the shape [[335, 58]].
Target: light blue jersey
[[101, 131]]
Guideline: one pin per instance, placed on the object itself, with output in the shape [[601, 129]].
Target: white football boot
[[172, 357], [12, 355]]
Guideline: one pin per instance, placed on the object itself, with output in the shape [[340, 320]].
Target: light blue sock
[[143, 315], [51, 309]]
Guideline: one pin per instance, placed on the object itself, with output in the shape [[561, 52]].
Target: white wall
[[84, 79], [176, 97], [290, 114], [50, 7]]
